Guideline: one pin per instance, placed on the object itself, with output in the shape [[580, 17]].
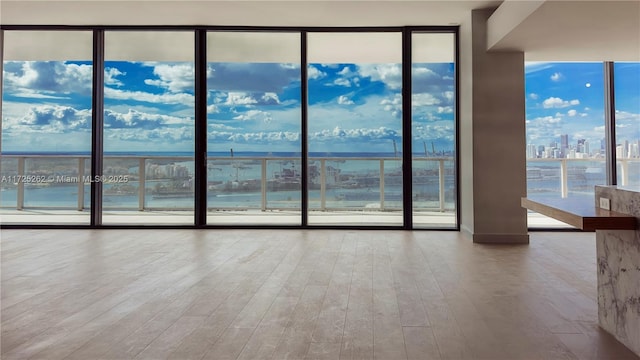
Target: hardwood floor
[[296, 294]]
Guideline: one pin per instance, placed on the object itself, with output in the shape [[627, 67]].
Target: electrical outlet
[[605, 203]]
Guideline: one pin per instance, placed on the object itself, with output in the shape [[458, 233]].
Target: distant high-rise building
[[634, 150], [564, 144], [587, 150], [626, 149], [531, 151]]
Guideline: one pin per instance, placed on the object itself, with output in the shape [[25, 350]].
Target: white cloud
[[554, 102], [247, 99], [142, 120], [361, 134], [394, 105], [173, 77], [435, 131], [572, 112], [345, 71], [342, 82], [556, 76], [30, 94], [254, 115], [344, 100], [445, 109], [158, 136], [169, 98], [390, 74], [216, 126], [314, 74], [212, 109], [270, 98], [48, 77], [48, 119], [424, 99], [238, 98], [263, 137], [533, 96], [110, 75]]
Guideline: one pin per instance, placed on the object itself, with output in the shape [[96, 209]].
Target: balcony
[[55, 189]]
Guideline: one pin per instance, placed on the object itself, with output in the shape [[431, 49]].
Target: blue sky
[[568, 98], [256, 107]]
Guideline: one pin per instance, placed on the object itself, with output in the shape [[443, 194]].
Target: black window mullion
[[304, 130], [456, 118], [610, 123], [200, 161], [407, 166], [97, 127]]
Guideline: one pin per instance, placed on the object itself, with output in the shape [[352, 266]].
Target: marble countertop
[[620, 187]]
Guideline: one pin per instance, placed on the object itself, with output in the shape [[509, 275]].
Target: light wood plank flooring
[[296, 294]]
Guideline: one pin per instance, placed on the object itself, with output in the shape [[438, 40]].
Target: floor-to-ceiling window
[[46, 127], [355, 128], [148, 127], [627, 105], [253, 128], [433, 130], [567, 133]]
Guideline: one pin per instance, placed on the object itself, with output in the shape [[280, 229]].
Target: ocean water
[[353, 181]]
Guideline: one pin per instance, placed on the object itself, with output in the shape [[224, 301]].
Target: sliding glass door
[[355, 128], [46, 127], [148, 128], [253, 128], [433, 130]]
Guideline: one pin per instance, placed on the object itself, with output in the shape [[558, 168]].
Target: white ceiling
[[572, 30], [246, 13], [544, 30]]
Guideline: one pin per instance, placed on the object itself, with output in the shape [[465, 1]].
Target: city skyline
[[568, 99]]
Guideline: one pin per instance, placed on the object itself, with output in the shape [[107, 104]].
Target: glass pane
[[433, 124], [355, 128], [565, 132], [253, 128], [627, 93], [149, 128], [46, 127]]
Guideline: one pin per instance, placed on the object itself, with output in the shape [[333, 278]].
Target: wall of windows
[[303, 127]]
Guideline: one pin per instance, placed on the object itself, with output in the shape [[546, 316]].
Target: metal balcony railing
[[588, 171], [20, 172]]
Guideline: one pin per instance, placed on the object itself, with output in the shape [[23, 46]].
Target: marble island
[[619, 270], [618, 251]]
